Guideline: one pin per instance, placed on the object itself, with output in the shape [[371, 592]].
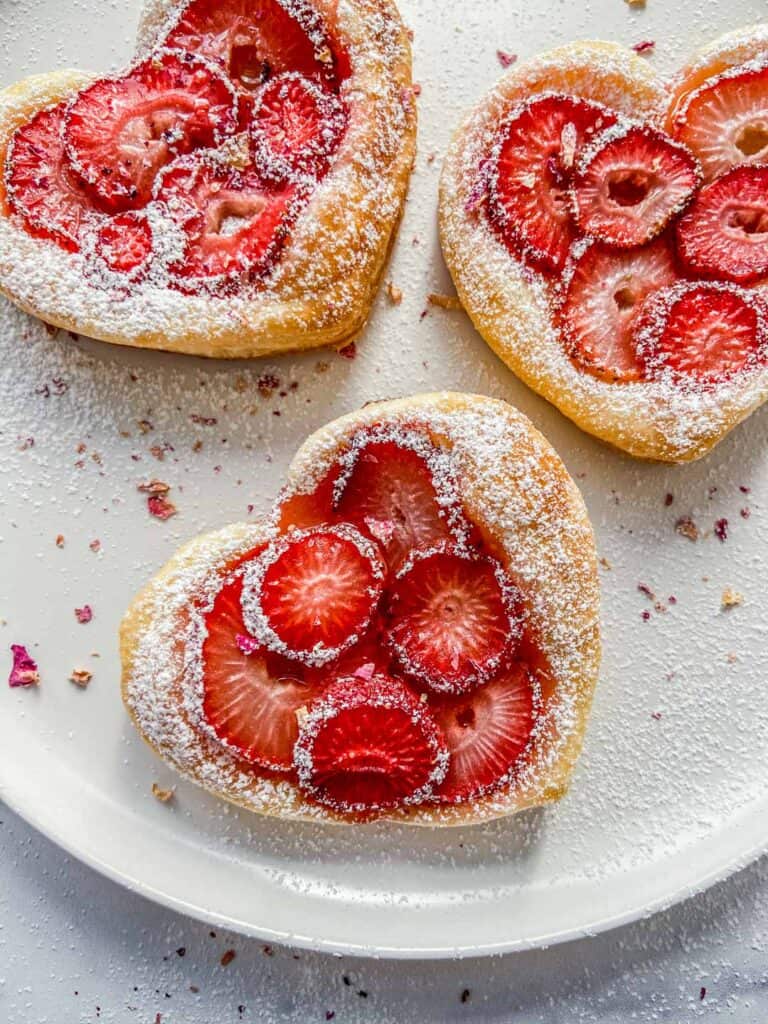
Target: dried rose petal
[[365, 671], [84, 614], [645, 46], [24, 669], [160, 507], [721, 530], [246, 644], [506, 59], [349, 351]]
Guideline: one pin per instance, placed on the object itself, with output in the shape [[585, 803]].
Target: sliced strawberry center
[[312, 593], [630, 183], [254, 39], [604, 293], [725, 232], [125, 242], [369, 745], [233, 225], [297, 126], [399, 492], [451, 619], [725, 121], [529, 188], [41, 187], [250, 696], [706, 333], [485, 731], [120, 132]]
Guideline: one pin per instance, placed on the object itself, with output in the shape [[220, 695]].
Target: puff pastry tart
[[232, 193], [413, 632], [607, 232]]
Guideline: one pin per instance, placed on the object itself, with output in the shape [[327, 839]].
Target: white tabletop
[[75, 948]]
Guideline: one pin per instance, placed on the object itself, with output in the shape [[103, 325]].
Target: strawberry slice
[[296, 128], [120, 132], [255, 39], [603, 294], [630, 182], [40, 185], [451, 618], [707, 333], [485, 731], [250, 696], [398, 488], [529, 183], [724, 234], [725, 121], [233, 225], [311, 594], [369, 745], [124, 243]]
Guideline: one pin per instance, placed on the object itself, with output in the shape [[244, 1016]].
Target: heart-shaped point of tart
[[341, 661], [580, 195], [264, 149]]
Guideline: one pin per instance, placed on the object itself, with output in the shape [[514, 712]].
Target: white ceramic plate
[[671, 791]]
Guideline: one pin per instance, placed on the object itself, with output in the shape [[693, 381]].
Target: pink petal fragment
[[506, 59], [160, 507], [246, 644], [24, 669], [84, 614], [365, 671]]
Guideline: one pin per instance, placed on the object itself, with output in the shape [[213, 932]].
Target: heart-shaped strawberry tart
[[233, 193], [412, 633], [608, 235]]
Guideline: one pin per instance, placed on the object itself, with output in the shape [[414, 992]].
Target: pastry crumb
[[395, 294], [444, 301], [605, 563], [81, 677], [686, 527], [731, 598], [163, 795]]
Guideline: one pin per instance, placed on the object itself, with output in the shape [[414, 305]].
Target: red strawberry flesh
[[630, 183], [704, 332], [250, 700], [369, 745], [724, 234], [529, 189], [605, 291], [42, 188], [451, 619], [125, 242], [312, 593], [233, 224], [254, 39], [120, 132], [390, 491], [725, 121], [296, 127], [485, 731]]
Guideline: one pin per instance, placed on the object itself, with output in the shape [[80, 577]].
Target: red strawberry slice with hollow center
[[296, 128], [451, 619], [40, 184], [725, 121], [124, 243], [486, 731], [630, 182], [390, 492], [233, 225], [311, 594], [704, 332], [250, 700], [369, 745], [529, 195], [724, 234], [254, 39], [604, 293], [120, 132]]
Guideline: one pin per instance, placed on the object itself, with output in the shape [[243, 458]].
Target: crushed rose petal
[[349, 351], [246, 644], [95, 545], [24, 670], [60, 540], [160, 507], [84, 614], [227, 957], [365, 671], [721, 530], [506, 59], [645, 46]]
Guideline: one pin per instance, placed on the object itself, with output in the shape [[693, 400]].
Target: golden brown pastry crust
[[513, 484], [509, 304], [321, 291]]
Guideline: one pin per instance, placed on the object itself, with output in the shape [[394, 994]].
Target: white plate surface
[[671, 791]]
